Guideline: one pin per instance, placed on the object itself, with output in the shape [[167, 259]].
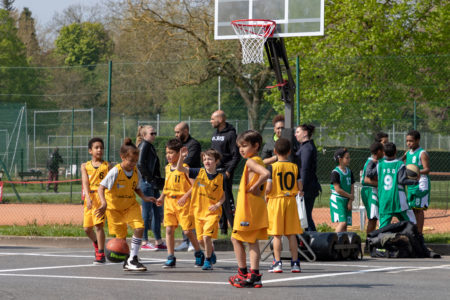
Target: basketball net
[[252, 34]]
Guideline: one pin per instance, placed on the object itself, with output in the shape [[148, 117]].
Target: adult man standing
[[192, 160], [224, 141], [148, 165], [52, 166]]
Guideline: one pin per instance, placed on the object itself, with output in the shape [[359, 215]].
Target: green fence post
[[71, 156], [108, 114], [297, 88], [415, 116]]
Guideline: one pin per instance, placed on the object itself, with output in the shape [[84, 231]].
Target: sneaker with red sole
[[148, 247], [239, 280], [295, 266], [276, 267], [99, 258], [254, 280], [161, 247]]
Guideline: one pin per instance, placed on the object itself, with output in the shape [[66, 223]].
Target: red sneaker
[[239, 280], [160, 247], [254, 280]]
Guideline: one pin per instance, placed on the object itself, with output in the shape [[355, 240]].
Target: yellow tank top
[[251, 210], [177, 183], [96, 175], [122, 194], [206, 192], [284, 180]]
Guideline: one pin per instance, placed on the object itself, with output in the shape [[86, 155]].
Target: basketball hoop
[[252, 34]]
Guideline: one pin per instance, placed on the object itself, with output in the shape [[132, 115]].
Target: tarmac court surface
[[57, 273]]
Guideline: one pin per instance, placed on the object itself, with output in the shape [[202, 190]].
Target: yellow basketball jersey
[[206, 192], [251, 210], [96, 175], [177, 183], [122, 195], [284, 180]]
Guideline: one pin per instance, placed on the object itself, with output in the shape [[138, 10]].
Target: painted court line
[[46, 268], [420, 269]]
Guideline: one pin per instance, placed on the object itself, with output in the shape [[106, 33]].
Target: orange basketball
[[117, 250]]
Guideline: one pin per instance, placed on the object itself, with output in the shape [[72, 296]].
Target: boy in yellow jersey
[[283, 186], [176, 196], [117, 195], [250, 221], [207, 198], [92, 172]]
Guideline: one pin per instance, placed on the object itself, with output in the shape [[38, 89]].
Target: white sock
[[135, 245]]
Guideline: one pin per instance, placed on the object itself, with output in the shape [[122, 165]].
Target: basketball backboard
[[293, 17]]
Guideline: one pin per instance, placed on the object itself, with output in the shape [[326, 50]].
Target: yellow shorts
[[207, 227], [250, 236], [175, 215], [89, 217], [119, 219], [283, 216]]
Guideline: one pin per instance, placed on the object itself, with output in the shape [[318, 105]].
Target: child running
[[207, 198], [176, 195], [342, 192], [369, 193], [117, 194], [92, 172], [251, 221], [283, 186]]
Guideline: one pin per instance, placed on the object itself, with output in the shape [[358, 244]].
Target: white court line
[[47, 268], [44, 255], [420, 269]]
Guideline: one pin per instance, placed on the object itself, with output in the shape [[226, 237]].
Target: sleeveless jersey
[[391, 195], [122, 194], [345, 181], [251, 210], [96, 175], [206, 192], [284, 180], [177, 184], [413, 157]]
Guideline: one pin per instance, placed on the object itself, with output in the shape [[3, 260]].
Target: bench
[[31, 175]]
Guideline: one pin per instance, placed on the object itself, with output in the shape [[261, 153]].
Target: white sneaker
[[133, 264], [190, 248]]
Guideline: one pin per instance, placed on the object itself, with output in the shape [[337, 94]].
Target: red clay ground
[[436, 221]]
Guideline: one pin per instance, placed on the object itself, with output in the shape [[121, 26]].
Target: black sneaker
[[133, 265], [170, 262], [254, 280], [240, 280], [199, 258]]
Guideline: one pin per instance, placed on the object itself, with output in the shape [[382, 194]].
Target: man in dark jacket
[[53, 167], [148, 165], [224, 141], [192, 160]]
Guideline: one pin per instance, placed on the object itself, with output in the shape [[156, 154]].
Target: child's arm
[[216, 206], [100, 212], [300, 187], [85, 186], [425, 163], [340, 191], [350, 200], [269, 181], [160, 200], [143, 197], [183, 198], [183, 154], [253, 166]]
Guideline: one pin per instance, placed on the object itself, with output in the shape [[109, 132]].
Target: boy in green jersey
[[392, 201], [419, 194], [342, 192], [369, 193]]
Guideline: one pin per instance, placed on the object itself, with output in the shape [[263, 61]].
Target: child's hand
[[214, 207], [159, 201], [349, 204], [184, 152], [301, 193], [149, 199], [255, 190], [182, 200], [100, 212], [88, 202]]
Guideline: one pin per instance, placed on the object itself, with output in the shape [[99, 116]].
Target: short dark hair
[[339, 153], [375, 147], [211, 152], [283, 146], [415, 134], [95, 140], [250, 136], [390, 149], [174, 144], [380, 135], [309, 128]]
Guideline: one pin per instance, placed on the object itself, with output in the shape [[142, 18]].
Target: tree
[[27, 33], [369, 66], [83, 44], [8, 5], [183, 32]]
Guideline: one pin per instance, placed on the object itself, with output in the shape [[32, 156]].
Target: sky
[[43, 10]]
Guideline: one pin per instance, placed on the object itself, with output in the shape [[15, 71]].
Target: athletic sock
[[243, 270], [95, 245], [254, 271], [135, 245], [101, 250]]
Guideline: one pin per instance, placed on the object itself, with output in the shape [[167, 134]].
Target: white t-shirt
[[111, 177]]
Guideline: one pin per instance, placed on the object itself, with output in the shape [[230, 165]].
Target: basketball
[[117, 250], [412, 171]]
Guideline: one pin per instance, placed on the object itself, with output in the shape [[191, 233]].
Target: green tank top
[[388, 187], [345, 181], [364, 172]]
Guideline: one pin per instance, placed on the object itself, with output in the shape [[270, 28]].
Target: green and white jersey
[[391, 195], [423, 188], [345, 181], [369, 195]]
